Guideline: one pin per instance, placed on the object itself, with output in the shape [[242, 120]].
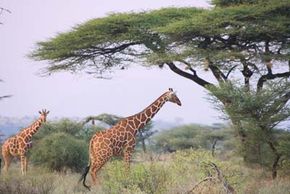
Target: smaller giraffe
[[18, 145], [121, 138]]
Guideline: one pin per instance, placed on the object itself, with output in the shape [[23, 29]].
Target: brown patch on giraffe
[[148, 112], [143, 118], [107, 141], [131, 123], [153, 108], [137, 122], [123, 123]]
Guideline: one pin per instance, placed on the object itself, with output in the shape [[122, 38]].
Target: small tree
[[108, 119], [144, 134], [190, 136], [259, 114]]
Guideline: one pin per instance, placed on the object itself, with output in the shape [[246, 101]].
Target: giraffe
[[120, 139], [18, 145]]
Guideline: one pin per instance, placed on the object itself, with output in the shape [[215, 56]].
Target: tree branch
[[231, 69], [2, 10], [6, 96], [216, 72], [270, 76], [219, 177], [194, 77], [276, 160]]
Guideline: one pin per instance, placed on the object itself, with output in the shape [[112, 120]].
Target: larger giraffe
[[18, 145], [121, 138]]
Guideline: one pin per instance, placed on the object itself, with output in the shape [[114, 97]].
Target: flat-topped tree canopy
[[103, 43], [247, 34]]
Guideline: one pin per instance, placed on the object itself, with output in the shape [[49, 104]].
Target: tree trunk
[[213, 147], [142, 139], [276, 160], [275, 166], [143, 145]]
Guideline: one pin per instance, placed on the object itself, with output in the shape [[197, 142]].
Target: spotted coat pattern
[[120, 140], [18, 145]]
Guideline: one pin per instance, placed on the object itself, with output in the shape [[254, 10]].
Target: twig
[[219, 176], [197, 184]]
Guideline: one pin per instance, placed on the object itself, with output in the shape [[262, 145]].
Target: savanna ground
[[172, 173]]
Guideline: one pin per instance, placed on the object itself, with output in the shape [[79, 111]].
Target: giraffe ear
[[39, 112], [47, 112]]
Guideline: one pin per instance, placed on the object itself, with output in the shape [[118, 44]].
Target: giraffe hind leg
[[25, 165], [7, 160], [96, 166]]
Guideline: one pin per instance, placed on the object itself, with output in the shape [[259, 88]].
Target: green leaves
[[104, 43], [61, 151], [225, 34]]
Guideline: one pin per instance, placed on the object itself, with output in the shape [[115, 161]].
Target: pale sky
[[67, 95]]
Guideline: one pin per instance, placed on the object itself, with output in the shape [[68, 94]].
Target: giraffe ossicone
[[18, 145], [121, 138]]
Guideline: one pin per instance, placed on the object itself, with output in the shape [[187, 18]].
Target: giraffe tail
[[84, 176]]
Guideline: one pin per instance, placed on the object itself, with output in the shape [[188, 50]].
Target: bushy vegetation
[[218, 137], [60, 151], [62, 145], [67, 126]]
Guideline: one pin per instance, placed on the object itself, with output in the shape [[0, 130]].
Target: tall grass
[[171, 174]]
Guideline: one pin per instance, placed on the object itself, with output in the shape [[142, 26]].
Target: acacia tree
[[245, 40]]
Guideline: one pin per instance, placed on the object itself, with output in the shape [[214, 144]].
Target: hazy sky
[[66, 95]]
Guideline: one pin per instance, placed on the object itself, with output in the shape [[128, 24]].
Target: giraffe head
[[43, 114], [171, 96]]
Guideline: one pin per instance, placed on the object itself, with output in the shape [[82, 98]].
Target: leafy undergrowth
[[188, 171]]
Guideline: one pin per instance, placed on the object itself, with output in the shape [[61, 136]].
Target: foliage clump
[[60, 152], [194, 137]]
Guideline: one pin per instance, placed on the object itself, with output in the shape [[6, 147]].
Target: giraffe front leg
[[127, 158], [23, 162]]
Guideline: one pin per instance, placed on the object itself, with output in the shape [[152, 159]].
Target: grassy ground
[[179, 172]]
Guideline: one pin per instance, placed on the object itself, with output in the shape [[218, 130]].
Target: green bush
[[142, 178], [193, 136], [64, 125], [60, 151]]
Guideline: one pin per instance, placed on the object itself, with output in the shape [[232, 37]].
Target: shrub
[[59, 152], [193, 136], [143, 178]]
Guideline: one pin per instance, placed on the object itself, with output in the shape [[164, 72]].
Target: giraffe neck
[[28, 132], [149, 112]]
